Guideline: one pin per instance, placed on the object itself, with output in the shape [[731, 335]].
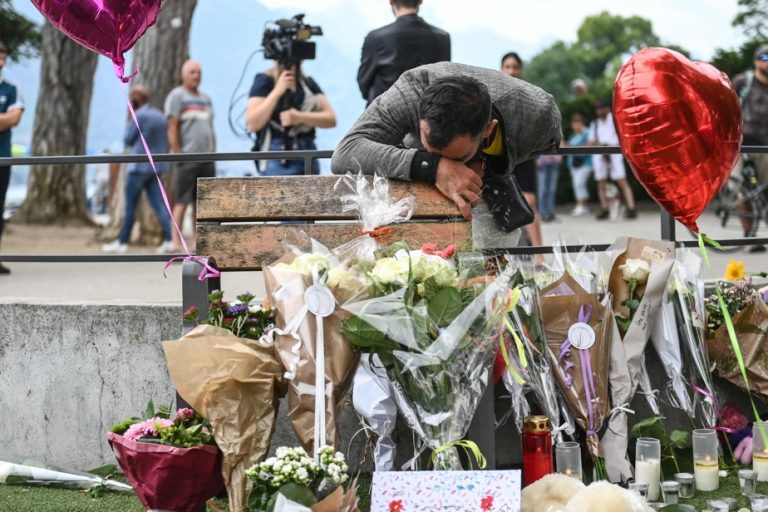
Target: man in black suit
[[407, 43]]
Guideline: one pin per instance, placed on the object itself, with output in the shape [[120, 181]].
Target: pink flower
[[184, 414], [146, 428], [487, 503]]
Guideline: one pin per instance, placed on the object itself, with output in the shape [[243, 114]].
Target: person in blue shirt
[[580, 166], [293, 128], [11, 108], [140, 176]]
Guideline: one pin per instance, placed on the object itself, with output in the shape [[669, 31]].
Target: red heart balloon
[[109, 27], [679, 124]]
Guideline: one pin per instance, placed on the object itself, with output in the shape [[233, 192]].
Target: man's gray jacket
[[386, 136]]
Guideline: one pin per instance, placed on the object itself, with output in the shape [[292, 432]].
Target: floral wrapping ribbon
[[585, 313]]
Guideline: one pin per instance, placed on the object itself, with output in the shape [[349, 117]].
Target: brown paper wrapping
[[560, 312], [339, 500], [286, 290], [751, 326], [234, 383]]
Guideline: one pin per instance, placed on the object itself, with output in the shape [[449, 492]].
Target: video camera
[[288, 43]]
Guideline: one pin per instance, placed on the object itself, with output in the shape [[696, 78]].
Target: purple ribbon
[[207, 270], [585, 313]]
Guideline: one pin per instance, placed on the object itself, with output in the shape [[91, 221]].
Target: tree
[[753, 18], [158, 57], [20, 35], [553, 69], [56, 193], [734, 61]]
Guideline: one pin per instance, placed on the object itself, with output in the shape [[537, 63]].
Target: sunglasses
[[763, 57]]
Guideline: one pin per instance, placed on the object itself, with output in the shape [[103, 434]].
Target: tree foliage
[[21, 36], [753, 18]]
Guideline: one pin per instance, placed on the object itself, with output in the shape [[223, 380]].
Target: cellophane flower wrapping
[[527, 344], [169, 478], [435, 333]]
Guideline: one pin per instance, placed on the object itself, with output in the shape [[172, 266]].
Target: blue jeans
[[291, 167], [135, 182], [547, 180]]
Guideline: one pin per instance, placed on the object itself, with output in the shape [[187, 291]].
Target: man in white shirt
[[603, 133]]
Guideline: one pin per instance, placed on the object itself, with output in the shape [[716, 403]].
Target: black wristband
[[424, 167]]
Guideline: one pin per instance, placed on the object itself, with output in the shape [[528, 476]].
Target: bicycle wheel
[[734, 213]]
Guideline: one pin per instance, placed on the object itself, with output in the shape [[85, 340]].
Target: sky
[[225, 32]]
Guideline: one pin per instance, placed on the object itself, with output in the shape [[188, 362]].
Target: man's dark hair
[[514, 55], [412, 4], [454, 106]]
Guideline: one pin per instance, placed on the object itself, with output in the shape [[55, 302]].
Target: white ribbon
[[622, 408], [319, 388]]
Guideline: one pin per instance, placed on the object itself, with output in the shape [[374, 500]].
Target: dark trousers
[[5, 180]]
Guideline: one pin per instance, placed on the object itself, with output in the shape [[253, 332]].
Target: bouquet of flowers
[[434, 331], [227, 370], [171, 461], [749, 314], [292, 477], [531, 370], [578, 328]]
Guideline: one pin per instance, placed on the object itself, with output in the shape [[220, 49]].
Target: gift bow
[[585, 313]]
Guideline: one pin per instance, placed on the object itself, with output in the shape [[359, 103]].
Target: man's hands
[[459, 183]]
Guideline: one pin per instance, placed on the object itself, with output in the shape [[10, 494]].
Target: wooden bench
[[241, 226]]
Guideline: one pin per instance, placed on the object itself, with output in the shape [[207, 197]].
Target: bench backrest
[[241, 221]]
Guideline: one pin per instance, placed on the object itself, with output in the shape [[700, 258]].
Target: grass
[[25, 498]]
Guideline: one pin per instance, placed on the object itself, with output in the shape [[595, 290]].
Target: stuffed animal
[[550, 494], [560, 493], [607, 496]]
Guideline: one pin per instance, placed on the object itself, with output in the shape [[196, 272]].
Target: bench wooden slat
[[300, 198], [247, 247]]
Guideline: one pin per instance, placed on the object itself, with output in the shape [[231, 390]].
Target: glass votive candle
[[718, 506], [670, 490], [759, 453], [640, 488], [568, 459], [706, 469], [759, 502], [747, 481], [686, 484], [648, 465]]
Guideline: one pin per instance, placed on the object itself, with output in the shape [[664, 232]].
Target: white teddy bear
[[559, 493]]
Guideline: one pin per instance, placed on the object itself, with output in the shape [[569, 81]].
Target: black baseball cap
[[602, 103]]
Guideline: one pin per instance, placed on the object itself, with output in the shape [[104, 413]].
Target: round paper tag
[[581, 336], [319, 300]]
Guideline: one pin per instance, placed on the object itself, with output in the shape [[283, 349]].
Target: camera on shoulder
[[288, 41]]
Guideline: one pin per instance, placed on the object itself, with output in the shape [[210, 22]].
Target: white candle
[[707, 474], [649, 472], [760, 464]]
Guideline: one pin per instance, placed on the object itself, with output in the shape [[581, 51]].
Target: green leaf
[[104, 471], [623, 323], [149, 412], [445, 306], [633, 304], [16, 480], [361, 334], [430, 288], [468, 294], [679, 439]]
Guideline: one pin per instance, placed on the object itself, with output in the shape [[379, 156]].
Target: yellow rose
[[635, 269]]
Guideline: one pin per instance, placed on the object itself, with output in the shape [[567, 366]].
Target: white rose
[[339, 277], [635, 269], [388, 270]]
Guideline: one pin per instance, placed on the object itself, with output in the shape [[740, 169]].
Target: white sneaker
[[115, 247], [579, 210], [165, 248]]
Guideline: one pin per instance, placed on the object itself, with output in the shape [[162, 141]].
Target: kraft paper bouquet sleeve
[[578, 328], [235, 383]]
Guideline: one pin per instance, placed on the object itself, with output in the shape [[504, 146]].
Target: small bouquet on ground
[[528, 355], [171, 460], [227, 370], [293, 481], [749, 314], [435, 333], [578, 327], [35, 472]]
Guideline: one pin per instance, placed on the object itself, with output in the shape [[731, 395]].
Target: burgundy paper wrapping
[[169, 478]]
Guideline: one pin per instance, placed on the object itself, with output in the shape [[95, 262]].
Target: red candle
[[537, 449]]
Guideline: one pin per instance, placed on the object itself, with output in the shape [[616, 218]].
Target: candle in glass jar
[[686, 484], [568, 458], [759, 453], [706, 469], [648, 465], [537, 448]]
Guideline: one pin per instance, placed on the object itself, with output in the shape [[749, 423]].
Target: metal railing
[[667, 223]]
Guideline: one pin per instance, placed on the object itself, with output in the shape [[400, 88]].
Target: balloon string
[[207, 270]]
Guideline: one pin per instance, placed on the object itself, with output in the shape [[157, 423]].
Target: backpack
[[749, 76]]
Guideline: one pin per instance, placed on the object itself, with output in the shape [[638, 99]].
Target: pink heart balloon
[[109, 27]]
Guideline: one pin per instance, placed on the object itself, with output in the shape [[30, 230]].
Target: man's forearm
[[10, 119]]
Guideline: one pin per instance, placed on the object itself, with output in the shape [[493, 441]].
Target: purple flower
[[233, 310], [146, 428]]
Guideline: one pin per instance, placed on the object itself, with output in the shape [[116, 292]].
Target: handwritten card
[[438, 491]]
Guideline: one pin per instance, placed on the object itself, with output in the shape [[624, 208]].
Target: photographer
[[292, 128]]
